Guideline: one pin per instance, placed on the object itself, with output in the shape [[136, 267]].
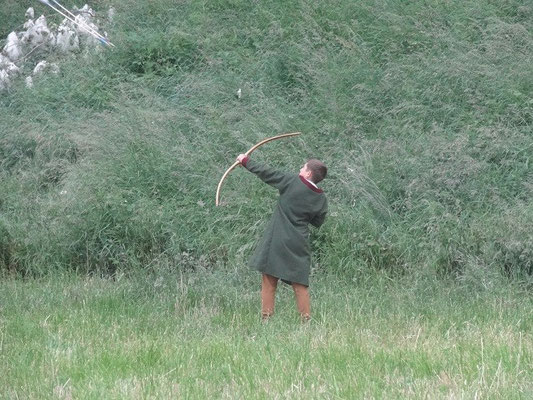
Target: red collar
[[308, 184]]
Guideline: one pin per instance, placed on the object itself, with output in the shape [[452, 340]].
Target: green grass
[[199, 335], [119, 278], [422, 111]]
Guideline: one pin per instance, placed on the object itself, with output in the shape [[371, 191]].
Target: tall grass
[[423, 112]]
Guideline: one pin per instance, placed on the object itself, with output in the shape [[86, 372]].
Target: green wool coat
[[284, 250]]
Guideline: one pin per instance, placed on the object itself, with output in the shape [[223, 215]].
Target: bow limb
[[269, 140], [217, 198]]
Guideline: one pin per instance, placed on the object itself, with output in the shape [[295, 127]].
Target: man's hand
[[241, 157]]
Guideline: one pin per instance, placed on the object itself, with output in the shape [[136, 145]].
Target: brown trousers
[[268, 296]]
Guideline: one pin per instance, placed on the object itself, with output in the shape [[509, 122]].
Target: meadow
[[199, 335], [120, 278]]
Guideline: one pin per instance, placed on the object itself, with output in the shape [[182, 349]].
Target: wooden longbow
[[217, 198]]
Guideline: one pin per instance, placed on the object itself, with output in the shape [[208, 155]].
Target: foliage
[[422, 110]]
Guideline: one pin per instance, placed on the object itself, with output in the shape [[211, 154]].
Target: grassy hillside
[[422, 110]]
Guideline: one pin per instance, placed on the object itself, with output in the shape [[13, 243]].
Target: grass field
[[199, 335], [422, 111]]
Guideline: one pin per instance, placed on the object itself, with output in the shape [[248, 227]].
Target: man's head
[[314, 170]]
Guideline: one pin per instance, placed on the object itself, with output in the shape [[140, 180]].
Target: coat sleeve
[[319, 218], [274, 178]]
